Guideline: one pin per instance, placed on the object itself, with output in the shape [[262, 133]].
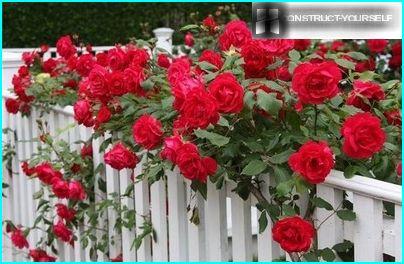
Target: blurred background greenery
[[32, 24]]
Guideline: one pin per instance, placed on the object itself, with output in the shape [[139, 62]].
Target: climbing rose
[[65, 47], [377, 45], [133, 77], [170, 148], [393, 117], [62, 232], [103, 115], [363, 136], [236, 33], [192, 165], [82, 113], [163, 60], [212, 57], [228, 93], [369, 90], [46, 173], [313, 161], [18, 239], [177, 70], [61, 188], [302, 44], [316, 82], [255, 59], [293, 234], [116, 83], [210, 23], [189, 39], [26, 169], [12, 105], [64, 212], [395, 60], [85, 64], [98, 82], [76, 191], [119, 157], [147, 131], [116, 59], [399, 169], [39, 255], [87, 151]]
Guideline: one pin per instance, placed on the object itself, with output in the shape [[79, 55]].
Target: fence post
[[164, 38]]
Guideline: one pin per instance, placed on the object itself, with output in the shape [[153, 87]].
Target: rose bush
[[236, 109]]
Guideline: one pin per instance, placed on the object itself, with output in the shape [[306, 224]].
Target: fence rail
[[228, 228]]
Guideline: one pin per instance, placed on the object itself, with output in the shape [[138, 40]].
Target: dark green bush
[[31, 24]]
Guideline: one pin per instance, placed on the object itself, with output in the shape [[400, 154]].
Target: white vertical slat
[[142, 209], [196, 233], [128, 235], [99, 195], [216, 224], [241, 227], [398, 232], [177, 216], [7, 200], [268, 249], [368, 229], [112, 178], [158, 200], [331, 230]]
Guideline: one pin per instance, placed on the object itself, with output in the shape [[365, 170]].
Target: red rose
[[393, 117], [395, 60], [82, 113], [171, 146], [76, 191], [147, 131], [313, 161], [61, 188], [18, 239], [315, 82], [98, 82], [119, 157], [182, 87], [39, 255], [64, 212], [23, 71], [133, 78], [337, 45], [85, 64], [137, 57], [228, 92], [47, 174], [363, 136], [236, 33], [278, 47], [28, 57], [116, 83], [210, 23], [192, 165], [377, 45], [369, 90], [117, 59], [255, 59], [293, 234], [103, 115], [86, 151], [177, 70], [302, 44], [118, 258], [102, 59], [189, 39], [65, 47], [61, 231], [212, 57], [283, 73], [399, 169], [199, 110], [12, 105], [44, 48], [367, 65], [26, 169], [163, 61]]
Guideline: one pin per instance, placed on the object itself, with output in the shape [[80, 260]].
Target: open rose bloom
[[228, 110]]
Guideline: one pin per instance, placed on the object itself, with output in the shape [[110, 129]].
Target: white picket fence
[[228, 228]]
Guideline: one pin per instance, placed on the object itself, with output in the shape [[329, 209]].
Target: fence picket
[[331, 231], [158, 201], [368, 229], [177, 217], [216, 223], [196, 231], [398, 232]]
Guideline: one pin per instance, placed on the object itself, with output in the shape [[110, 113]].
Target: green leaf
[[343, 247], [281, 157], [350, 171], [345, 63], [311, 256], [357, 55], [346, 215], [327, 254], [214, 138], [38, 194], [294, 55], [249, 99], [321, 203], [147, 84], [268, 102], [189, 27], [288, 210], [263, 222], [254, 167], [204, 65], [284, 188]]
